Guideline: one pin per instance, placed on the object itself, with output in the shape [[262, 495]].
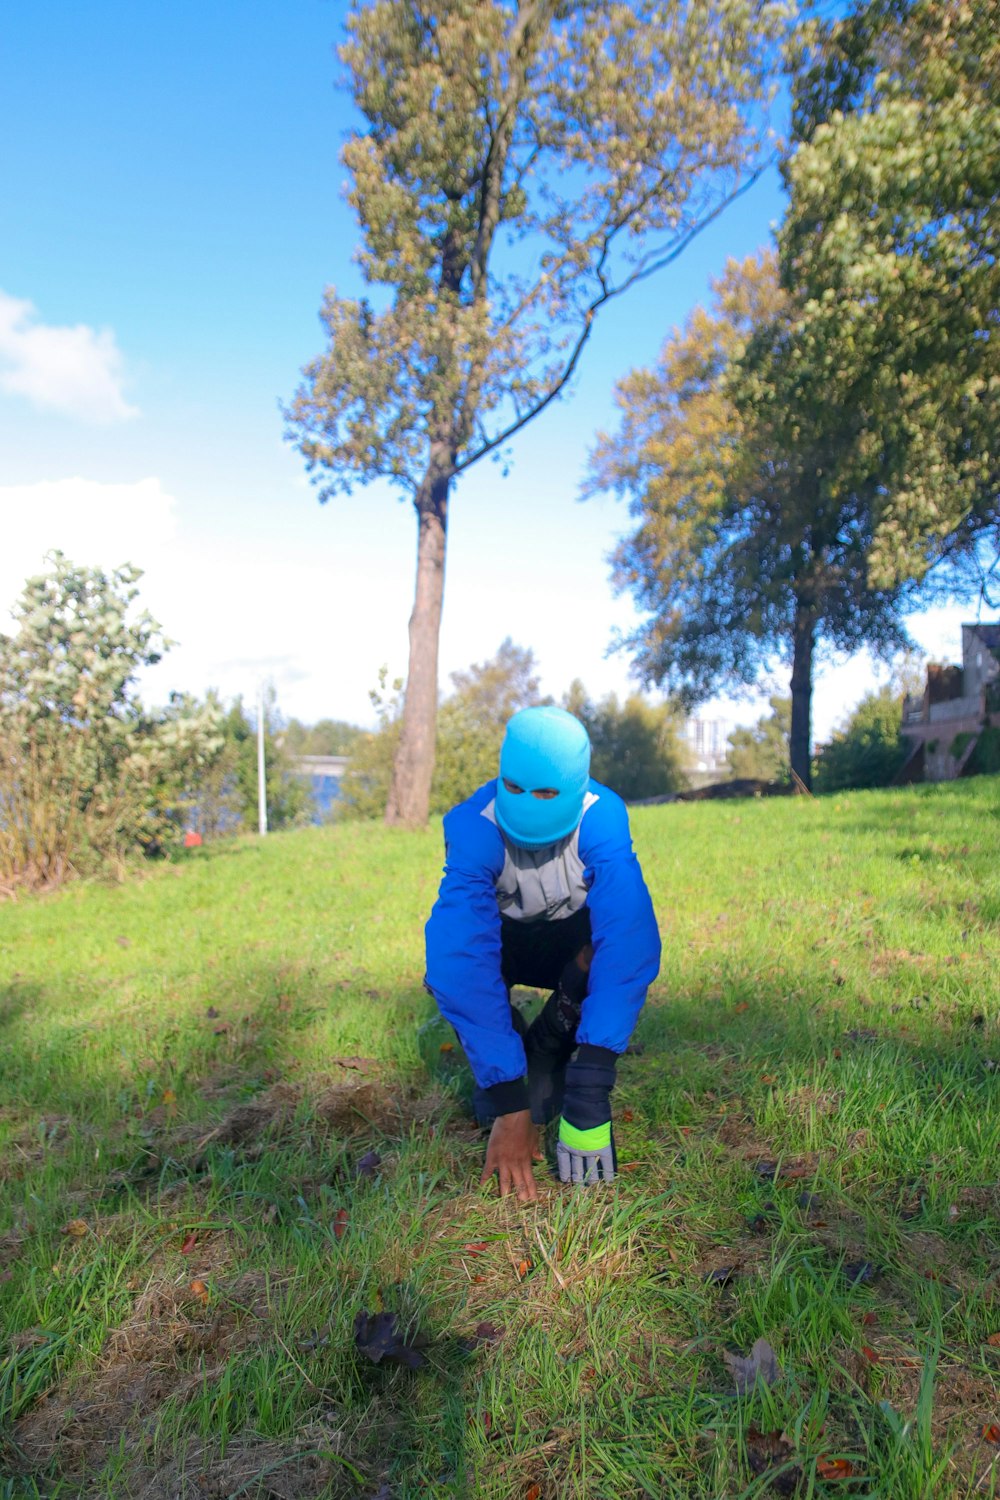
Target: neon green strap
[[598, 1138]]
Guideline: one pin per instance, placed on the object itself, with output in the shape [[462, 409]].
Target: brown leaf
[[77, 1228], [770, 1450], [869, 1319], [991, 1432], [739, 1009], [834, 1468], [447, 1047], [341, 1219], [761, 1364], [523, 1267], [376, 1335], [994, 1339], [871, 1355], [199, 1290], [190, 1240], [533, 1492], [627, 1116], [477, 1247]]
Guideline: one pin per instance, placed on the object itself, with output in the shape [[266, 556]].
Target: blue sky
[[170, 211]]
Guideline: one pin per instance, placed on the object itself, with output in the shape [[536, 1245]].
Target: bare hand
[[513, 1147]]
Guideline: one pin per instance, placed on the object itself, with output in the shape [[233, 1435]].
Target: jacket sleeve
[[463, 947], [623, 926]]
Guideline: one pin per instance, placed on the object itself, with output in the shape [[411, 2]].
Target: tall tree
[[893, 243], [521, 164], [749, 546]]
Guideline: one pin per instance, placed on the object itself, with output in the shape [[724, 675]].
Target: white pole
[[261, 779]]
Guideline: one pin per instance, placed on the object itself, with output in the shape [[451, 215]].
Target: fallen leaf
[[994, 1339], [870, 1354], [721, 1276], [627, 1116], [377, 1337], [739, 1009], [760, 1364], [629, 1166], [856, 1271], [200, 1290], [190, 1240], [869, 1319], [834, 1468], [488, 1333], [533, 1492], [341, 1219], [769, 1078], [447, 1047], [523, 1267], [767, 1451], [991, 1432], [76, 1227], [477, 1247], [368, 1164], [356, 1064]]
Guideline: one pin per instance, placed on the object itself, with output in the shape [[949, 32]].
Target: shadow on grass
[[259, 1147]]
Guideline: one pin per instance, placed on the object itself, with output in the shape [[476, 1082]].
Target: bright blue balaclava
[[543, 748]]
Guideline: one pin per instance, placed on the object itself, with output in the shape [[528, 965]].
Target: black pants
[[547, 956]]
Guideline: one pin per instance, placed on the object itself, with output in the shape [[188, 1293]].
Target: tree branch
[[608, 294]]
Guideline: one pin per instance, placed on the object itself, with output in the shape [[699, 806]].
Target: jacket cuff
[[510, 1097]]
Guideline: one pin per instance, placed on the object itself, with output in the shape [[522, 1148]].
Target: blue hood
[[542, 748]]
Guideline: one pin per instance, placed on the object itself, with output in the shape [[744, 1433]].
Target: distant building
[[944, 723], [708, 742]]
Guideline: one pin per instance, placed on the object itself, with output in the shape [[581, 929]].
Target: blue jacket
[[597, 867]]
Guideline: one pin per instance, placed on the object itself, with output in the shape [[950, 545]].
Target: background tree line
[[813, 456]]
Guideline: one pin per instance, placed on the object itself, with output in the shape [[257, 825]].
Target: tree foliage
[[517, 168], [892, 241], [748, 546], [325, 737], [636, 746], [87, 775], [868, 750], [761, 753]]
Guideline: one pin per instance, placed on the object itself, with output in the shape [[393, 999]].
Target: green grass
[[812, 1102]]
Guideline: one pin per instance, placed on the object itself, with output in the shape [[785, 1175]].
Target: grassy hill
[[233, 1142]]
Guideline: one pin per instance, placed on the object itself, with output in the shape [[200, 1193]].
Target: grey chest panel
[[541, 884]]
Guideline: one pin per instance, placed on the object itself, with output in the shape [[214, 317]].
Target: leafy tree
[[518, 168], [748, 544], [761, 753], [86, 774], [636, 746], [472, 719], [868, 750], [892, 241], [326, 737], [364, 786]]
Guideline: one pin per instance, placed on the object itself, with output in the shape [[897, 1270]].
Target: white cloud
[[75, 370], [94, 524]]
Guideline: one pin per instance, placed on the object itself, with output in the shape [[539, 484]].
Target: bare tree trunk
[[410, 792], [800, 738]]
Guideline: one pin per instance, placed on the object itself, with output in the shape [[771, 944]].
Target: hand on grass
[[511, 1152]]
